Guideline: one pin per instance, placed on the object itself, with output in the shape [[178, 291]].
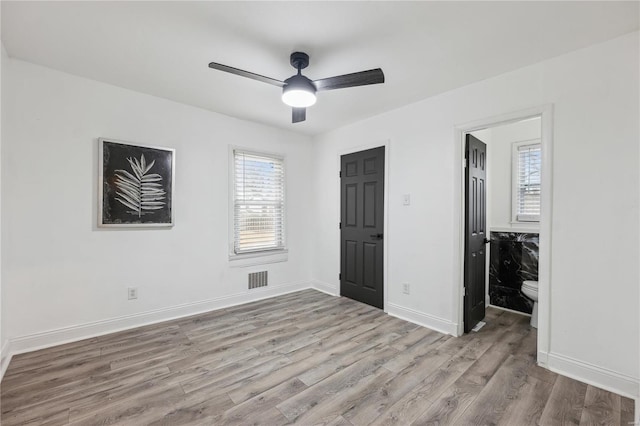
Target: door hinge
[[464, 291], [340, 277], [340, 174], [340, 225]]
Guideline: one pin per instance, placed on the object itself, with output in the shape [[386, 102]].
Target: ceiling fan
[[298, 91]]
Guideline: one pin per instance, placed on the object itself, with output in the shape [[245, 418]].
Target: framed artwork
[[135, 185]]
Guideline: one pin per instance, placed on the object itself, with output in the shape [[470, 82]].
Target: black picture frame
[[136, 185]]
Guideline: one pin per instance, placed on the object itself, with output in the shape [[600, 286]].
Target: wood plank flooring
[[303, 358]]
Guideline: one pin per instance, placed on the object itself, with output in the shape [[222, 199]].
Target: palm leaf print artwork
[[136, 185], [141, 191]]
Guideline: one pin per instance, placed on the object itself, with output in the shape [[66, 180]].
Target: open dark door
[[362, 226], [475, 231]]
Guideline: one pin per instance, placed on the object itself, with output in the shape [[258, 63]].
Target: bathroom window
[[527, 160], [258, 202]]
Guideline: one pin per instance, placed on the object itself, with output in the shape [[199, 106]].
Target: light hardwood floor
[[304, 358]]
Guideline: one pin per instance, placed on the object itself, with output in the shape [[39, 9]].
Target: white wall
[[63, 276], [3, 338], [594, 269], [499, 161]]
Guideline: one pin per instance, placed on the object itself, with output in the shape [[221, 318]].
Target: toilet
[[530, 289]]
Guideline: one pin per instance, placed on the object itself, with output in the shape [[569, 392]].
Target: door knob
[[376, 236], [486, 241]]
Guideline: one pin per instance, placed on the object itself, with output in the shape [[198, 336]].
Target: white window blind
[[528, 183], [259, 204]]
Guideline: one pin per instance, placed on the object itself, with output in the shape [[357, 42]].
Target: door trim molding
[[385, 244], [544, 268]]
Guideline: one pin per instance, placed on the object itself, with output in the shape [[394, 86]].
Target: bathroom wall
[[513, 258], [499, 156]]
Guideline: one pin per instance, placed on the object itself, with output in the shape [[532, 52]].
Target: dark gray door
[[475, 232], [361, 225]]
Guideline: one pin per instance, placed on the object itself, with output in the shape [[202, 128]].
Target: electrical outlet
[[406, 199], [132, 293], [405, 288]]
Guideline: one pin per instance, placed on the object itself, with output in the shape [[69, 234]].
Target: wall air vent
[[257, 279]]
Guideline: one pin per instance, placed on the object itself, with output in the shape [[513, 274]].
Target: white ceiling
[[424, 48]]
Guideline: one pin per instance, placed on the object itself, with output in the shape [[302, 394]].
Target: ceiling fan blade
[[361, 78], [298, 115], [247, 74]]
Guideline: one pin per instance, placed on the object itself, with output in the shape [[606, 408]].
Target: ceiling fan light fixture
[[299, 92], [298, 98]]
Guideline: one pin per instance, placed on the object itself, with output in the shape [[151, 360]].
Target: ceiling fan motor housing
[[299, 60], [299, 82]]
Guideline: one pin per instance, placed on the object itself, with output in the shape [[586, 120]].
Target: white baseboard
[[5, 357], [510, 310], [543, 359], [593, 375], [435, 323], [325, 288], [74, 333]]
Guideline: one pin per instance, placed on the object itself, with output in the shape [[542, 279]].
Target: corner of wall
[[5, 358]]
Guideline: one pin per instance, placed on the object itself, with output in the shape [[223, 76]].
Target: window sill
[[259, 258], [525, 225]]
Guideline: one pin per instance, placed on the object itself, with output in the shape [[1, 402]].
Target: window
[[526, 181], [258, 202]]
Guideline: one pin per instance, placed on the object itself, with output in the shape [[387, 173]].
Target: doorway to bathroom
[[505, 219]]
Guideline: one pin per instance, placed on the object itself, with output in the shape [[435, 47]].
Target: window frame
[[261, 256], [517, 218]]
